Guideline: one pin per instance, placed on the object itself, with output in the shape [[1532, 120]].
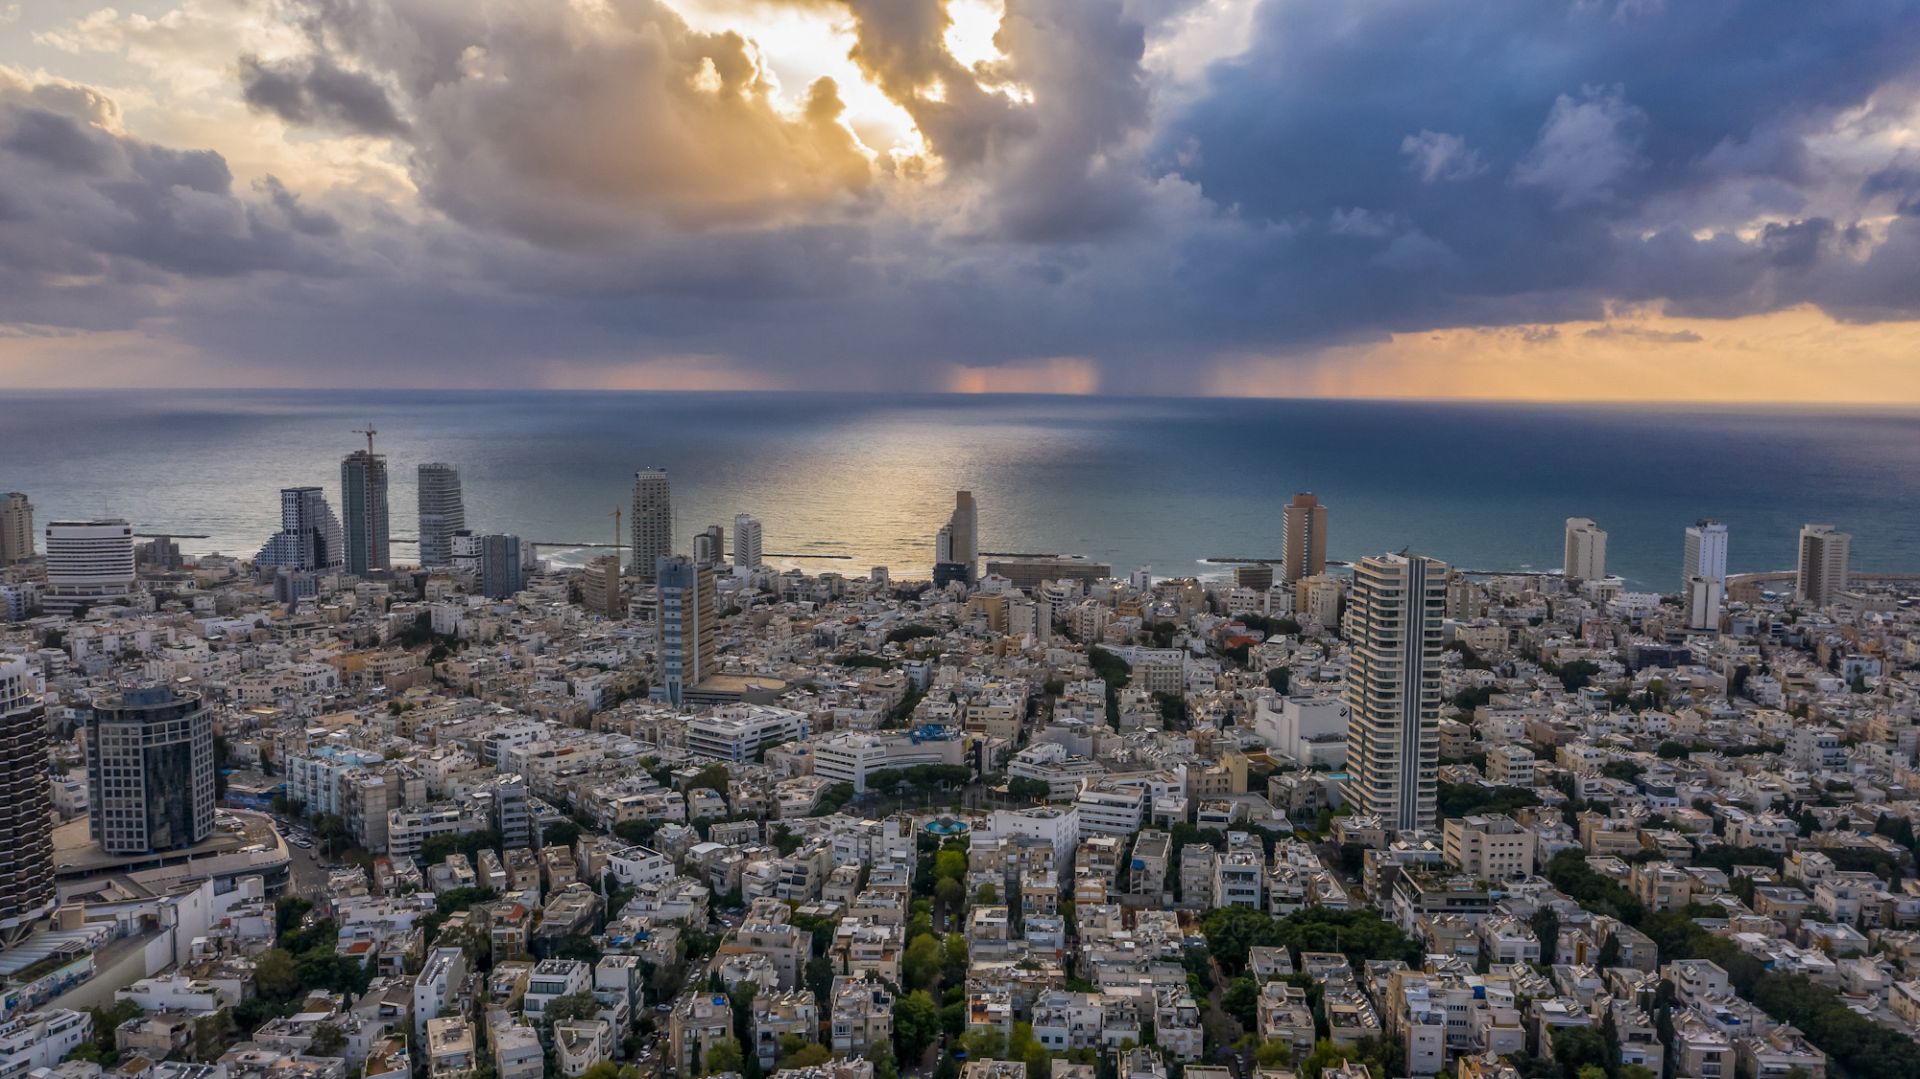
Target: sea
[[849, 482]]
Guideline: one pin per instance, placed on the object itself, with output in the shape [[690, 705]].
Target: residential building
[[687, 619], [1304, 538], [747, 551], [652, 522], [737, 732], [1822, 575], [1586, 553], [443, 512], [1706, 552], [1393, 688], [363, 511], [310, 539], [16, 528], [1491, 847], [26, 829], [600, 587], [956, 548]]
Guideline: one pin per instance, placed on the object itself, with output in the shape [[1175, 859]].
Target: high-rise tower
[[16, 528], [310, 537], [710, 546], [442, 512], [1824, 553], [1586, 553], [1706, 552], [686, 616], [956, 547], [26, 828], [747, 551], [149, 770], [363, 510], [652, 522], [1393, 688], [1304, 543]]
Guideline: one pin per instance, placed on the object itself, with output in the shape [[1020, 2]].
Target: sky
[[1618, 200]]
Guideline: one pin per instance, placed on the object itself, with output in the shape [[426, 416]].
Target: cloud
[[1439, 157], [314, 90], [1586, 146], [1642, 333], [444, 192]]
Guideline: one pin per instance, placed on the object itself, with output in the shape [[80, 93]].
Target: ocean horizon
[[1132, 481]]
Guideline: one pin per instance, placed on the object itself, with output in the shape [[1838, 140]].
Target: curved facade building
[[150, 770], [26, 823]]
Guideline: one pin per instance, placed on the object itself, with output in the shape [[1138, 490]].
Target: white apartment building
[[439, 979], [737, 732], [1586, 554], [1109, 808], [1310, 730]]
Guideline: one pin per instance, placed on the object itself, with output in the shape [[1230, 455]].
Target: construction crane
[[369, 432]]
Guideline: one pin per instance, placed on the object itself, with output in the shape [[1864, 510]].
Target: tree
[[1242, 1001], [724, 1056], [1029, 790], [713, 777], [1280, 678], [1273, 1053], [885, 1064], [1579, 1048], [986, 896], [920, 967], [916, 1023], [328, 1041], [275, 975], [807, 1055], [575, 1007], [563, 833]]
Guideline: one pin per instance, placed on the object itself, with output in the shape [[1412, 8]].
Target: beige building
[[1304, 543], [1822, 575], [1491, 847]]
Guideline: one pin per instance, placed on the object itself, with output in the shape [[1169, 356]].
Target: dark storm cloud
[[1561, 155], [604, 182], [93, 223], [315, 90]]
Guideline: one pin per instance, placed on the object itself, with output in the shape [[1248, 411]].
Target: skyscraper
[[16, 528], [1822, 576], [442, 512], [500, 575], [746, 543], [1586, 554], [652, 522], [310, 539], [687, 614], [88, 563], [1304, 542], [26, 829], [956, 547], [710, 546], [149, 770], [1706, 553], [363, 509], [1393, 687]]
